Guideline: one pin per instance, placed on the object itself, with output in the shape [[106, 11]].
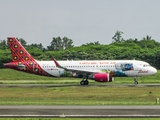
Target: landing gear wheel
[[82, 82], [136, 82], [86, 82]]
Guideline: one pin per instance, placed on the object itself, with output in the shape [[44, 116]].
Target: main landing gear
[[84, 81], [135, 81]]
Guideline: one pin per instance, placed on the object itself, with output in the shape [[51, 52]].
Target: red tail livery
[[22, 60]]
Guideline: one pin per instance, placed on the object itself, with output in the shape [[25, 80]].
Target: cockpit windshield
[[146, 65]]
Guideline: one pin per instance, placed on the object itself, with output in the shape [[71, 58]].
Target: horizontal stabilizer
[[12, 65]]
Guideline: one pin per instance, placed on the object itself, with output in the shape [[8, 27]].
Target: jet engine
[[102, 77]]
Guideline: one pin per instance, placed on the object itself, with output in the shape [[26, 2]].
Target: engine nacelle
[[102, 77]]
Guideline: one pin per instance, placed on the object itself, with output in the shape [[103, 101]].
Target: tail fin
[[22, 60], [19, 53]]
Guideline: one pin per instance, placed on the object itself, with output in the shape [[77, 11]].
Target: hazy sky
[[83, 21]]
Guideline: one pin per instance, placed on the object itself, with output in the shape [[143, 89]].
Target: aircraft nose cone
[[154, 70]]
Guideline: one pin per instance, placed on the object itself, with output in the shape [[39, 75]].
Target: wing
[[76, 70]]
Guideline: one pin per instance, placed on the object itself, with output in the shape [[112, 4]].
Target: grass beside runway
[[79, 95]]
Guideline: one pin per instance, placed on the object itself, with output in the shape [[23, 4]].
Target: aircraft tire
[[136, 82], [86, 82], [82, 82]]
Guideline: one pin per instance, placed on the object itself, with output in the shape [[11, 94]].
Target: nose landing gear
[[135, 81]]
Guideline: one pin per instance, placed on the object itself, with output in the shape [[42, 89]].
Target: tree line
[[146, 49]]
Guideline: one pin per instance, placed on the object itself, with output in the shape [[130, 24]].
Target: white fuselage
[[139, 68]]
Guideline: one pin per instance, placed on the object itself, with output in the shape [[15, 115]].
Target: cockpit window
[[146, 65], [127, 66]]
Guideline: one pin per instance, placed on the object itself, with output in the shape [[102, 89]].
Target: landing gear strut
[[84, 81], [135, 81]]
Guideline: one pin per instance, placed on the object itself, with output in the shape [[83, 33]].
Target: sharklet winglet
[[57, 64]]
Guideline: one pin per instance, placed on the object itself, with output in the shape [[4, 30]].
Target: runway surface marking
[[80, 111]]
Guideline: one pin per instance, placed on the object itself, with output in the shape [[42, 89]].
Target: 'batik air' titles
[[96, 63], [141, 71], [98, 70]]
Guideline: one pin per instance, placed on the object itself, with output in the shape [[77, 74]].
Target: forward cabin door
[[135, 66], [118, 66]]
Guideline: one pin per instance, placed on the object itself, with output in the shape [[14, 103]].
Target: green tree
[[92, 43], [66, 43], [22, 41], [147, 38], [60, 43], [118, 37], [34, 51], [39, 46], [3, 44]]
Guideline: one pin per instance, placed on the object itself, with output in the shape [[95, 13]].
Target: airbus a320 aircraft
[[98, 70]]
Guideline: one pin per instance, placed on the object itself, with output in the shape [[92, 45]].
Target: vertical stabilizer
[[22, 60], [19, 53]]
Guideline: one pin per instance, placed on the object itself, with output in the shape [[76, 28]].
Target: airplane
[[98, 70]]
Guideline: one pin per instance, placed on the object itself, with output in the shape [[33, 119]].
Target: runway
[[79, 111]]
